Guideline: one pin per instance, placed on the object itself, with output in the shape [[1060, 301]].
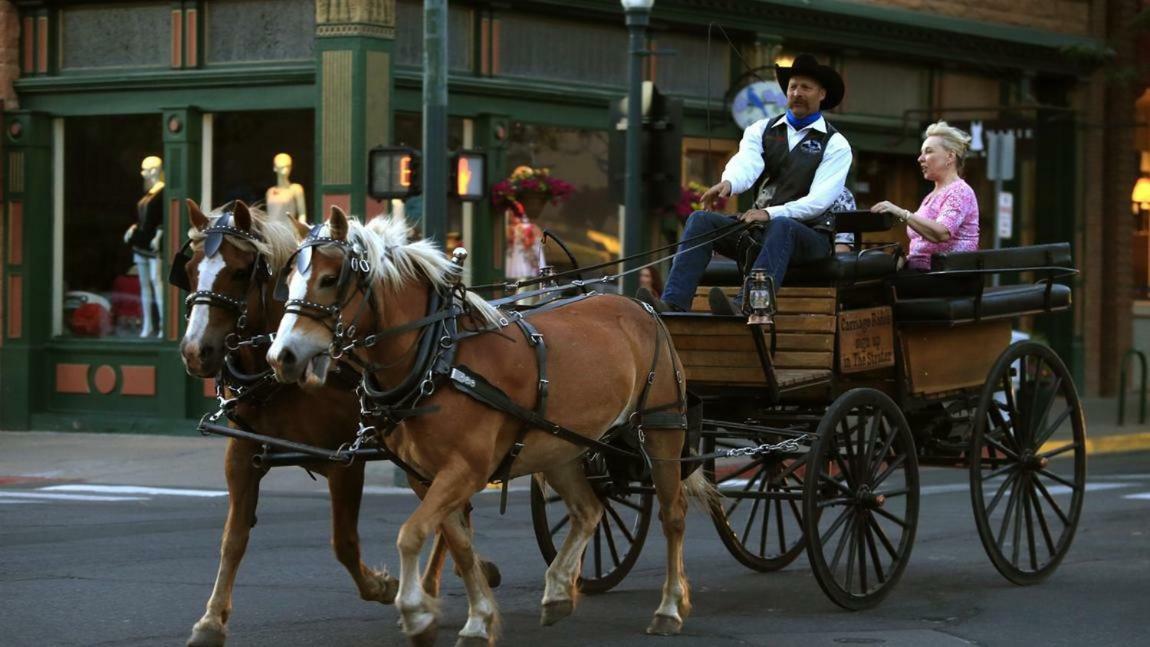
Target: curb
[[1115, 444]]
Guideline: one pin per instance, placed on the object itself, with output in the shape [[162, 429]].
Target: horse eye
[[328, 281]]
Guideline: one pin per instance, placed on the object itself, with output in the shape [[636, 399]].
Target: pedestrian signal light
[[469, 171], [393, 172]]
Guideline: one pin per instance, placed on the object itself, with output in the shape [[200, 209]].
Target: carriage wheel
[[1027, 497], [860, 501], [758, 518], [614, 547]]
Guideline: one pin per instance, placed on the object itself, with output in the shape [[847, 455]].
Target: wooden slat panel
[[787, 377], [790, 300], [804, 360], [825, 293], [806, 305], [724, 375], [743, 343], [733, 359], [706, 326], [808, 341], [945, 359], [805, 323]]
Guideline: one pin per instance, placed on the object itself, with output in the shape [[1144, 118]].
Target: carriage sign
[[866, 339]]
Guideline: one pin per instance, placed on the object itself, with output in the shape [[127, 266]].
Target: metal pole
[[637, 21], [434, 169], [994, 278]]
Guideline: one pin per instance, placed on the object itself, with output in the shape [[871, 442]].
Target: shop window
[[883, 88], [409, 35], [690, 69], [704, 161], [409, 132], [102, 186], [552, 49], [968, 91], [260, 30], [244, 147], [588, 222], [132, 35]]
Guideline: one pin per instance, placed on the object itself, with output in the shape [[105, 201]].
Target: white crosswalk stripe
[[133, 489], [1141, 496]]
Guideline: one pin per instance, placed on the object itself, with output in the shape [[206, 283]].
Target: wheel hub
[[1033, 462], [868, 499]]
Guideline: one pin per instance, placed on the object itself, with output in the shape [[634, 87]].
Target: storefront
[[218, 88]]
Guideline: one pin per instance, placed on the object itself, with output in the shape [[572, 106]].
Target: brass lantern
[[759, 297]]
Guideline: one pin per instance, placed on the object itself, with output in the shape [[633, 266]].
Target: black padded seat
[[838, 270], [997, 303]]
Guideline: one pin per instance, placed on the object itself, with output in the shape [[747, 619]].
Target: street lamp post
[[435, 119], [638, 17]]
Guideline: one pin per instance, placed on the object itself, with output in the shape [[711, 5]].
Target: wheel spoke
[[1042, 523], [851, 556], [1000, 447], [1053, 504], [763, 531], [1016, 544], [998, 495], [598, 552], [754, 511], [826, 536], [889, 515], [860, 544], [1006, 516], [838, 484], [782, 526], [1009, 467], [838, 501], [844, 539], [794, 509], [894, 465], [559, 524], [883, 539], [874, 558], [872, 436], [554, 498], [624, 502], [746, 488], [1030, 529], [606, 524], [893, 493], [742, 470], [619, 522], [1050, 475], [1054, 427], [1040, 418], [1012, 407], [886, 447], [1061, 450]]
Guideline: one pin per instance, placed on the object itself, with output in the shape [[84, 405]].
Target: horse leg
[[482, 614], [243, 492], [346, 488], [584, 509], [676, 602], [418, 611]]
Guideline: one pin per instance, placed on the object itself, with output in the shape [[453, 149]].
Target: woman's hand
[[902, 215], [720, 190], [755, 215]]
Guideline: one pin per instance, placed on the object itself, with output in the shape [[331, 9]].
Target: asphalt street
[[101, 565]]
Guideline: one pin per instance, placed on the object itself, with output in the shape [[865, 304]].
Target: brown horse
[[599, 355], [237, 278]]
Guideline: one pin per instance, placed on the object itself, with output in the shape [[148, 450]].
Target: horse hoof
[[555, 611], [388, 589], [207, 637], [425, 638], [473, 641], [491, 572], [665, 626]]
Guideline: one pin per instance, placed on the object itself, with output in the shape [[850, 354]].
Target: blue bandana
[[799, 124]]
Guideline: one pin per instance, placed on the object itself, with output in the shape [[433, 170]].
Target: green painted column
[[27, 266], [487, 245], [183, 152], [354, 84]]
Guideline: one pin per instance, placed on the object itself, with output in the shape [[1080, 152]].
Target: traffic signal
[[469, 176], [393, 172], [661, 144]]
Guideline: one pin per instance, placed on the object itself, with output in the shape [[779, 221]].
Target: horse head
[[227, 265]]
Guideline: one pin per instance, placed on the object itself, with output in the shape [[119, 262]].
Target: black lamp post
[[638, 17]]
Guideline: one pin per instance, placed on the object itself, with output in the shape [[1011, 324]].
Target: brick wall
[[1067, 16], [9, 54]]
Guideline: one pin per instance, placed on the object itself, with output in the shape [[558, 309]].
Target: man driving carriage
[[799, 162]]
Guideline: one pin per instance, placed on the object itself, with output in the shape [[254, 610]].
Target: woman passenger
[[947, 219]]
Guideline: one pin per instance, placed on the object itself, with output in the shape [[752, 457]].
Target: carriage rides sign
[[866, 340]]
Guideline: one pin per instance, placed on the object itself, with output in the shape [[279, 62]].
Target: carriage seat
[[838, 270], [960, 296]]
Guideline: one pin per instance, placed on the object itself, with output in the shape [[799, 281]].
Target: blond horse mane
[[280, 237], [395, 260]]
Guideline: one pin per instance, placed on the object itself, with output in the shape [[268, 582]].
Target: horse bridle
[[213, 240]]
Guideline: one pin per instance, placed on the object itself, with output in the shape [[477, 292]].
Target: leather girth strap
[[503, 471]]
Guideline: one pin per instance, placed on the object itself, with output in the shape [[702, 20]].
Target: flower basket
[[528, 190]]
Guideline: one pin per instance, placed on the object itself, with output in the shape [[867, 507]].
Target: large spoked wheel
[[1028, 467], [758, 518], [616, 544], [860, 502]]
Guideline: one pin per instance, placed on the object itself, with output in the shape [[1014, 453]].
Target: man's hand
[[720, 190], [755, 215]]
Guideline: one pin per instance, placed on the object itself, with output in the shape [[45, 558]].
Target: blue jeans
[[784, 240]]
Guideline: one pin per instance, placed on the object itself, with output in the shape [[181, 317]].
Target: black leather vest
[[149, 218], [788, 173]]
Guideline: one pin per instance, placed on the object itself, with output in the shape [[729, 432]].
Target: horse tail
[[702, 492]]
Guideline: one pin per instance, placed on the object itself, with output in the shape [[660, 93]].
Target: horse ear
[[241, 216], [301, 229], [337, 224], [199, 220]]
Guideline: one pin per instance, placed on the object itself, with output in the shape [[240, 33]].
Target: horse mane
[[280, 237], [396, 260]]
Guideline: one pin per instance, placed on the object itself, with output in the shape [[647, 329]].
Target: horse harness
[[434, 365]]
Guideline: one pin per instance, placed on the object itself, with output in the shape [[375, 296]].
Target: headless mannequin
[[144, 237], [286, 198]]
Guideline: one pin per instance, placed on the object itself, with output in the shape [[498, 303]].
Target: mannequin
[[144, 237], [286, 198]]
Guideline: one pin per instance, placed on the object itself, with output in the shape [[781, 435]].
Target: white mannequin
[[286, 198], [145, 248]]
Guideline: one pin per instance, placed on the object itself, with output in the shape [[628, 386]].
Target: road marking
[[134, 489], [50, 496], [1141, 496]]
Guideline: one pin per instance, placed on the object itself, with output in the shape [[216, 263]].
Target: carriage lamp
[[759, 291]]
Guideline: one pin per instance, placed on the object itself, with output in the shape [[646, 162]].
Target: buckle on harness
[[536, 338]]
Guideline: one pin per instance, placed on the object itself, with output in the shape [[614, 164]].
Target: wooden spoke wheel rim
[[860, 500], [1028, 463], [616, 544]]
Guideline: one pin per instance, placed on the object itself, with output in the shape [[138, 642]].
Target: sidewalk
[[193, 461]]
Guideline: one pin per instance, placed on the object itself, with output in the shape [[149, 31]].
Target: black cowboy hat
[[806, 65]]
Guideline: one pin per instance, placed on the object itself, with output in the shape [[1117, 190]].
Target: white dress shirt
[[747, 165]]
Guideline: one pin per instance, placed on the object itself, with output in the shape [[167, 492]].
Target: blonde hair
[[953, 139]]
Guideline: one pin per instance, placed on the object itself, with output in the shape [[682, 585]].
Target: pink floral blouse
[[954, 207]]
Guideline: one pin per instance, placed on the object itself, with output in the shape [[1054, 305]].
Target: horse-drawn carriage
[[814, 430]]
